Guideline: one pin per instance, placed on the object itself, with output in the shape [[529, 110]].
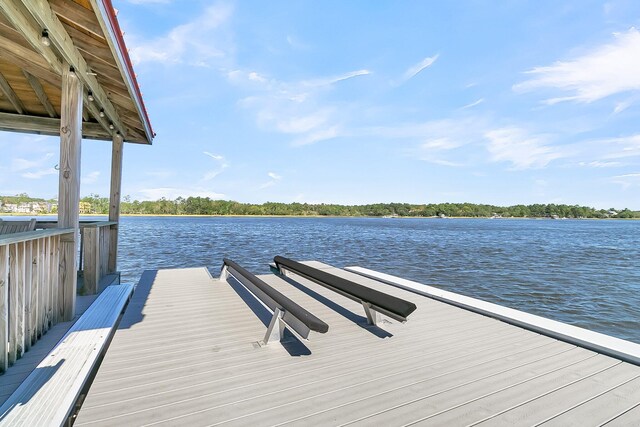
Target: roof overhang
[[83, 35]]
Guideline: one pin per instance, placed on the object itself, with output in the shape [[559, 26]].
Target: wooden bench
[[7, 227], [372, 300], [286, 313], [48, 395]]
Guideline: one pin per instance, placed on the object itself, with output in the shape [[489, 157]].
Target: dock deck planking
[[186, 353]]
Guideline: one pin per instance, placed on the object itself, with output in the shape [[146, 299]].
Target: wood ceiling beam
[[15, 14], [48, 126], [42, 96], [78, 16], [28, 60], [11, 95], [41, 11]]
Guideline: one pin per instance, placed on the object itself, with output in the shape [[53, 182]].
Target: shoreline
[[11, 214]]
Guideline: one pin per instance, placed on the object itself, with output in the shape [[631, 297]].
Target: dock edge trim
[[621, 349]]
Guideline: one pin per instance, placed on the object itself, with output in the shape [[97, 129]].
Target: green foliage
[[206, 206]]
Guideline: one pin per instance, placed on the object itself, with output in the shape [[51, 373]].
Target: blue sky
[[373, 101]]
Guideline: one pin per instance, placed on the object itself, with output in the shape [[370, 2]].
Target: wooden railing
[[31, 295], [94, 257]]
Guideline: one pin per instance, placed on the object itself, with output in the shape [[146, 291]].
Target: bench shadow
[[133, 313], [355, 318], [289, 342]]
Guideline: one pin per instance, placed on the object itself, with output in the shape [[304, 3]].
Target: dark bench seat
[[371, 299], [286, 311]]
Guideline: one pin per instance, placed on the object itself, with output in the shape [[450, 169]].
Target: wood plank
[[41, 11], [11, 95], [28, 296], [117, 147], [40, 93], [71, 13], [48, 126], [69, 188], [14, 309], [90, 259], [602, 407], [4, 307], [49, 393], [20, 19]]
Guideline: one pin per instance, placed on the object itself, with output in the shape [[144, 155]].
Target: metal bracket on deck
[[275, 331], [372, 316]]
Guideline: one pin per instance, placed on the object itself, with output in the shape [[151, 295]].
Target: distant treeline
[[206, 206]]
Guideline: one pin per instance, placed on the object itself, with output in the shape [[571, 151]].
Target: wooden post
[[4, 307], [114, 202], [69, 190], [91, 256]]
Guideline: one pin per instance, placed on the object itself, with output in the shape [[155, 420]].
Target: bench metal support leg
[[224, 273], [372, 315], [276, 327]]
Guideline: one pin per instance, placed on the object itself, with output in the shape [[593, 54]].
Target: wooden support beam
[[42, 96], [4, 307], [41, 11], [16, 14], [48, 126], [114, 199], [69, 190], [11, 95], [28, 60]]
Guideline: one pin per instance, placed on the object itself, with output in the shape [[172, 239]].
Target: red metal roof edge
[[115, 26]]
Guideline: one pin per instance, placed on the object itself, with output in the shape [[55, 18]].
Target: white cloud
[[473, 104], [175, 192], [522, 150], [148, 1], [91, 177], [39, 173], [617, 148], [197, 42], [213, 156], [327, 81], [275, 178], [417, 68], [627, 180], [606, 70], [294, 108], [600, 164], [209, 175], [19, 164]]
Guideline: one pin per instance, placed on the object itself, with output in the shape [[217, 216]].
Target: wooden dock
[[187, 353]]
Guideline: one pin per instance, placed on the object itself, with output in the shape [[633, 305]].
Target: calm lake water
[[583, 272]]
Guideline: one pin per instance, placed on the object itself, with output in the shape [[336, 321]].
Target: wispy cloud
[[520, 148], [275, 178], [197, 42], [91, 177], [222, 165], [604, 71], [417, 68], [600, 164], [627, 180], [39, 173], [472, 104], [20, 164], [295, 108]]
